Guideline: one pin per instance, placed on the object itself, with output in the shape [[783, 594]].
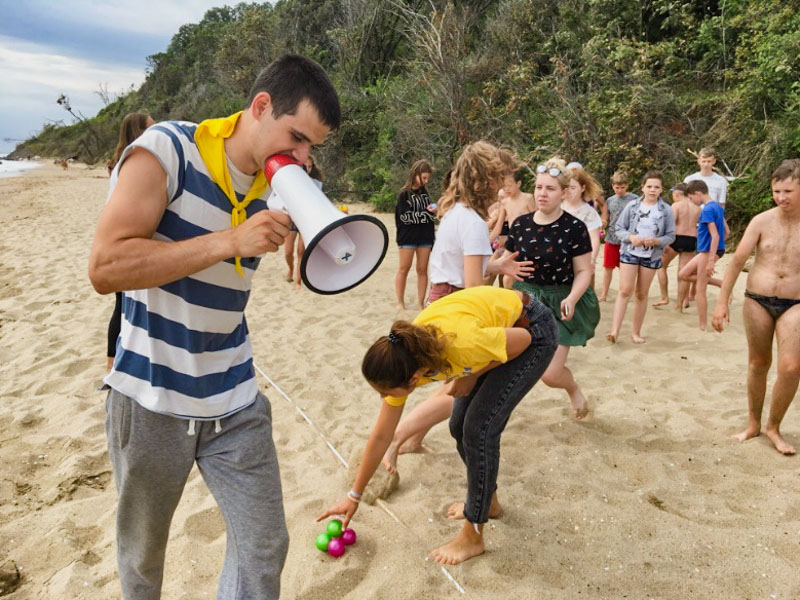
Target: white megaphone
[[341, 250]]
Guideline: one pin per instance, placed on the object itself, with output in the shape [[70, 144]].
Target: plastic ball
[[322, 542], [334, 528], [336, 547], [349, 537]]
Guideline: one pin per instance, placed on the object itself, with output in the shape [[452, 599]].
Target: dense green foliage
[[606, 82]]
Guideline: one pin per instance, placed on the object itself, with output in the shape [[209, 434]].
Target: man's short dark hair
[[291, 79], [517, 175], [681, 187], [696, 185]]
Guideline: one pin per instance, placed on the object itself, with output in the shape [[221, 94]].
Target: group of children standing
[[489, 345]]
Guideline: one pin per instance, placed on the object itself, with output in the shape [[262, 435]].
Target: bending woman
[[493, 344], [462, 257]]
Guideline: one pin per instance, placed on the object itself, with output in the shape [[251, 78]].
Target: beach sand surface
[[649, 498]]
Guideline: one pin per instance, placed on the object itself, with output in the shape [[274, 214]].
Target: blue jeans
[[478, 420]]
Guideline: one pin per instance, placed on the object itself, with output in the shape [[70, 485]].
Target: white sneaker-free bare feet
[[467, 544], [781, 445]]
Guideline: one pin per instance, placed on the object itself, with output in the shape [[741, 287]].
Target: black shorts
[[720, 252], [684, 243]]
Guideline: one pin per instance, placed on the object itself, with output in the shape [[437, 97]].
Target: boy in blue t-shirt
[[710, 247]]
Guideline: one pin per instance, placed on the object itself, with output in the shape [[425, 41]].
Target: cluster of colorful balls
[[335, 539]]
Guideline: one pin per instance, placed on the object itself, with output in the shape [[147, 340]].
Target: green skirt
[[581, 326]]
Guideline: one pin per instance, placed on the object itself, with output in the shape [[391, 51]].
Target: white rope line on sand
[[333, 449]]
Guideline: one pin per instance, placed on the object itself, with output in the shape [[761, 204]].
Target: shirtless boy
[[686, 215], [515, 203], [771, 305], [710, 247]]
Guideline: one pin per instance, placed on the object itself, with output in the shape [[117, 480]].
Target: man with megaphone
[[181, 236]]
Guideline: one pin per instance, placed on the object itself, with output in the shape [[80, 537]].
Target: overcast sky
[[49, 47]]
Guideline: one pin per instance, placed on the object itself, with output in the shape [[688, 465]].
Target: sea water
[[15, 168]]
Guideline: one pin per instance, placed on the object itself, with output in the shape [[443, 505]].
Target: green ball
[[322, 541], [334, 528]]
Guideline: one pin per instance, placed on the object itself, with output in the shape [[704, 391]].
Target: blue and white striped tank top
[[184, 347]]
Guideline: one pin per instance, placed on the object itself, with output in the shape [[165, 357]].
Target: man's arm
[[747, 244], [125, 257]]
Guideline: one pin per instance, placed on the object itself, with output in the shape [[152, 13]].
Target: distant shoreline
[[15, 168]]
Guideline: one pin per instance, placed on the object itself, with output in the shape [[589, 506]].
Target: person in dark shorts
[[686, 215], [415, 232], [710, 247], [645, 227], [772, 304]]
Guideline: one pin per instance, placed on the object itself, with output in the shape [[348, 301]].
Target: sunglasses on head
[[552, 171]]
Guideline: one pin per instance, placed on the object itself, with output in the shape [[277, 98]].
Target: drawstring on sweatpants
[[217, 426]]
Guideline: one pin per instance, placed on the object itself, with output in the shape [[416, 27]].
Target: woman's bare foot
[[751, 432], [400, 306], [781, 445], [637, 339], [601, 298], [662, 302], [455, 512], [413, 445], [289, 276], [612, 337], [390, 458], [580, 408], [467, 544]]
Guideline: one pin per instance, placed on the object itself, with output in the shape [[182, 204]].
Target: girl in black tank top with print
[[561, 250]]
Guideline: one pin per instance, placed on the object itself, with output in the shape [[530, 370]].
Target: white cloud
[[26, 67], [143, 16]]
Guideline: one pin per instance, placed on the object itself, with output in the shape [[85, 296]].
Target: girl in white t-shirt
[[583, 190], [462, 257]]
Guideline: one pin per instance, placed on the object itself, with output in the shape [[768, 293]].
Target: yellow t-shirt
[[478, 318]]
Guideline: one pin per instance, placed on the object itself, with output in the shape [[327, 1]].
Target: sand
[[650, 498]]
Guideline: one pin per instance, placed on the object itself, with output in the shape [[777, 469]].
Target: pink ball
[[349, 537], [336, 547]]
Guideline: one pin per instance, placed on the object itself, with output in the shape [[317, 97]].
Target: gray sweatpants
[[152, 455]]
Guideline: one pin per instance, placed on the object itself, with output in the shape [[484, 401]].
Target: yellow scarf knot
[[210, 139]]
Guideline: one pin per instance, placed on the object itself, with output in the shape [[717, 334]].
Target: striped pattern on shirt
[[184, 347]]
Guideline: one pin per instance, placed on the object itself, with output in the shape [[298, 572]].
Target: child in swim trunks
[[710, 247], [772, 303], [685, 244]]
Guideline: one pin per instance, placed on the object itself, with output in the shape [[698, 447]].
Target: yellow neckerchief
[[210, 139]]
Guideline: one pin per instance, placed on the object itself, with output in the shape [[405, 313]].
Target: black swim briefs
[[684, 243]]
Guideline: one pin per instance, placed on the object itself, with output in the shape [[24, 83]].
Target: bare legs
[[759, 327], [301, 248], [633, 279], [643, 282], [559, 376], [608, 274], [682, 301], [663, 277], [414, 426], [696, 271], [423, 254], [288, 254], [406, 257]]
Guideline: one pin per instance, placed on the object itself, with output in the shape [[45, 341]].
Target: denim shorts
[[414, 246], [648, 263]]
